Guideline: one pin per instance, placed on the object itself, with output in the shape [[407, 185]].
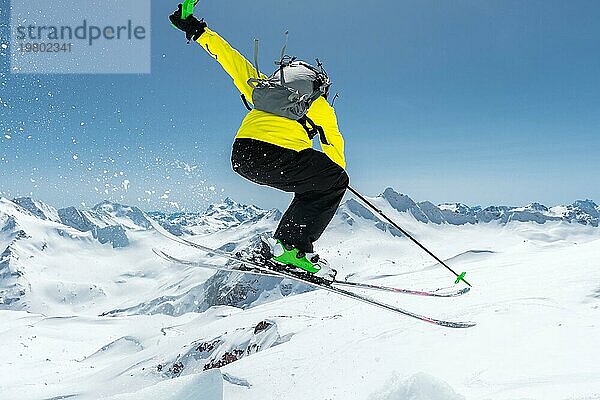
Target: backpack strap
[[287, 33], [246, 102], [256, 58], [313, 129], [282, 58]]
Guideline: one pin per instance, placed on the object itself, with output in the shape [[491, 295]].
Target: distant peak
[[22, 199], [230, 202], [104, 204], [36, 207], [536, 207], [585, 204], [399, 201], [389, 191]]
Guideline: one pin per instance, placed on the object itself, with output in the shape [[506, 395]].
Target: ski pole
[[459, 277], [187, 8]]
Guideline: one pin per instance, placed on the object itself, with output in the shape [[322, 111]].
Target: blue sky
[[493, 102]]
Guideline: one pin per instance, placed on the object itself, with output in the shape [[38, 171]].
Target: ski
[[333, 289], [243, 268], [426, 293], [258, 269]]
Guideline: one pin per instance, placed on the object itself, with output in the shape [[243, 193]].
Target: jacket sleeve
[[231, 60], [324, 115]]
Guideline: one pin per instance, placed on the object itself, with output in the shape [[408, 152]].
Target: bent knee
[[343, 180]]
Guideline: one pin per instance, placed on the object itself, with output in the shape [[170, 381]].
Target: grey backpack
[[290, 91]]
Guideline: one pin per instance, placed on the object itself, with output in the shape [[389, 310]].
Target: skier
[[274, 148]]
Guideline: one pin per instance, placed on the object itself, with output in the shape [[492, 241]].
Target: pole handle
[[187, 8]]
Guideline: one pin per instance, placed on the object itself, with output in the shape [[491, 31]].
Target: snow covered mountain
[[89, 312], [217, 217], [584, 212]]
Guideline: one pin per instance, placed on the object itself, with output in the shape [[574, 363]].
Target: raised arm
[[230, 59], [235, 64]]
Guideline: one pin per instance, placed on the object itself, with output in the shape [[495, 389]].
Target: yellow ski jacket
[[268, 127]]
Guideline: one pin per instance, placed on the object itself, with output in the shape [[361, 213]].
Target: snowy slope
[[91, 320]]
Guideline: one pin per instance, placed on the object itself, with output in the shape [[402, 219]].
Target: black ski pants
[[318, 183]]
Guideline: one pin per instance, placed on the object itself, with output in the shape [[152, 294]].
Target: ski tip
[[453, 324], [465, 290], [464, 325], [156, 251]]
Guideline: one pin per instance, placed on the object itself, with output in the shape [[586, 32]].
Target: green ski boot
[[309, 262]]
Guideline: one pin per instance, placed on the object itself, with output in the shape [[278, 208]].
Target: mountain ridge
[[109, 222]]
